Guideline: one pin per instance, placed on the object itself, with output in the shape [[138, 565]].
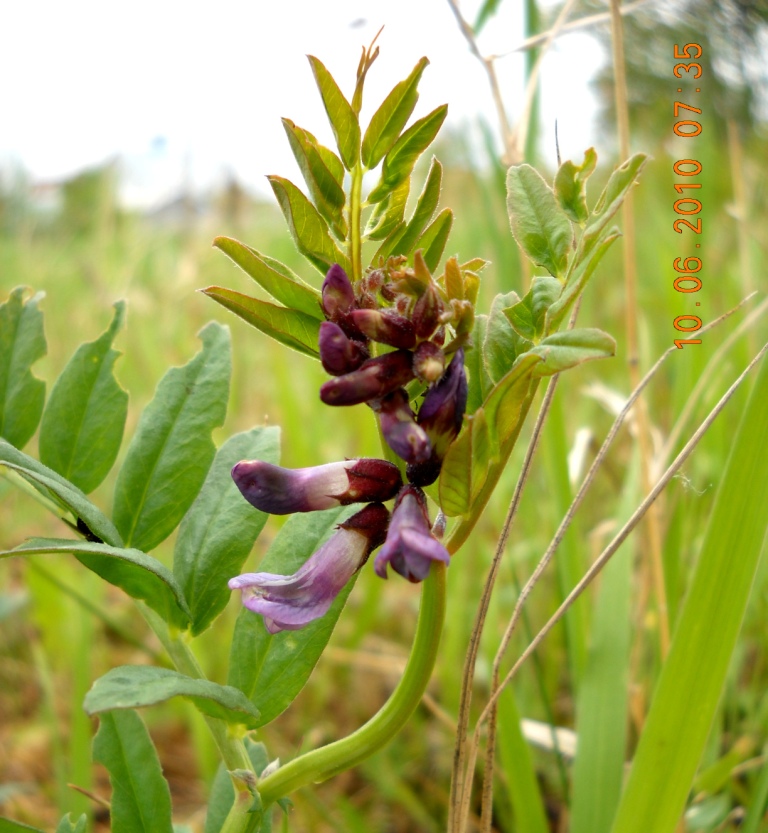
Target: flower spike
[[281, 491], [291, 602]]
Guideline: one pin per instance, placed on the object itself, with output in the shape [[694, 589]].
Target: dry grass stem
[[619, 539]]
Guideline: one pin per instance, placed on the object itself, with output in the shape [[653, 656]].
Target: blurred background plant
[[76, 242]]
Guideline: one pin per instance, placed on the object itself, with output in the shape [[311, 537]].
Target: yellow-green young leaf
[[138, 574], [220, 527], [538, 223], [620, 181], [691, 682], [272, 669], [91, 521], [503, 343], [422, 214], [22, 343], [308, 229], [141, 800], [326, 192], [275, 278], [561, 351], [433, 239], [172, 449], [387, 215], [401, 159], [571, 186], [83, 422], [342, 117], [138, 686], [390, 118], [479, 382], [288, 326], [577, 280]]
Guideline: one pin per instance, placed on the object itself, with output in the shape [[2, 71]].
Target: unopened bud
[[385, 327], [338, 294], [339, 354], [398, 426], [427, 311], [374, 378], [428, 362]]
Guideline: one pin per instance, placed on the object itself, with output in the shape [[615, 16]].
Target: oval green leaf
[[220, 527], [141, 800], [138, 686], [561, 351], [172, 449], [84, 419], [288, 326], [273, 277], [22, 343]]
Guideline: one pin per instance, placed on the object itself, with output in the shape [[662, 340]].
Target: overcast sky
[[172, 86]]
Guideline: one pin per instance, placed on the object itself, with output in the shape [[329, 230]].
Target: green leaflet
[[484, 442], [22, 343], [539, 225], [138, 686], [141, 800], [690, 685], [273, 277], [138, 574], [272, 670], [570, 186], [434, 238], [391, 117], [405, 242], [528, 316], [342, 117], [172, 449], [66, 825], [502, 343], [61, 491], [84, 419], [561, 351], [325, 190], [220, 527], [479, 382], [10, 826], [308, 229], [288, 326], [401, 159], [386, 220]]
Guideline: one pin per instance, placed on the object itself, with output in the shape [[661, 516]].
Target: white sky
[[177, 86]]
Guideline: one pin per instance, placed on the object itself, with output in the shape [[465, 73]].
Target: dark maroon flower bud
[[428, 362], [389, 292], [410, 547], [374, 378], [440, 416], [427, 311], [338, 293], [340, 354], [281, 491], [386, 327], [398, 425], [367, 300]]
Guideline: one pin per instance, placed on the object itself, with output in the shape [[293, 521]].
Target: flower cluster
[[404, 310]]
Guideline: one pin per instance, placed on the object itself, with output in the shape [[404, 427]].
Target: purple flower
[[340, 354], [440, 416], [375, 378], [398, 426], [280, 491], [410, 547], [288, 603]]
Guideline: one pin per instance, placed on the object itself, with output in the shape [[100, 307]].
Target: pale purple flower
[[291, 602], [410, 547], [281, 491]]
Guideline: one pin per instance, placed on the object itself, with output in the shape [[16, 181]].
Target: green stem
[[327, 761], [231, 748], [355, 223]]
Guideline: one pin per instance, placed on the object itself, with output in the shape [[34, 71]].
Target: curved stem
[[327, 761]]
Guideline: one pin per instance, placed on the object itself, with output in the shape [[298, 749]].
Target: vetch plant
[[399, 332]]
